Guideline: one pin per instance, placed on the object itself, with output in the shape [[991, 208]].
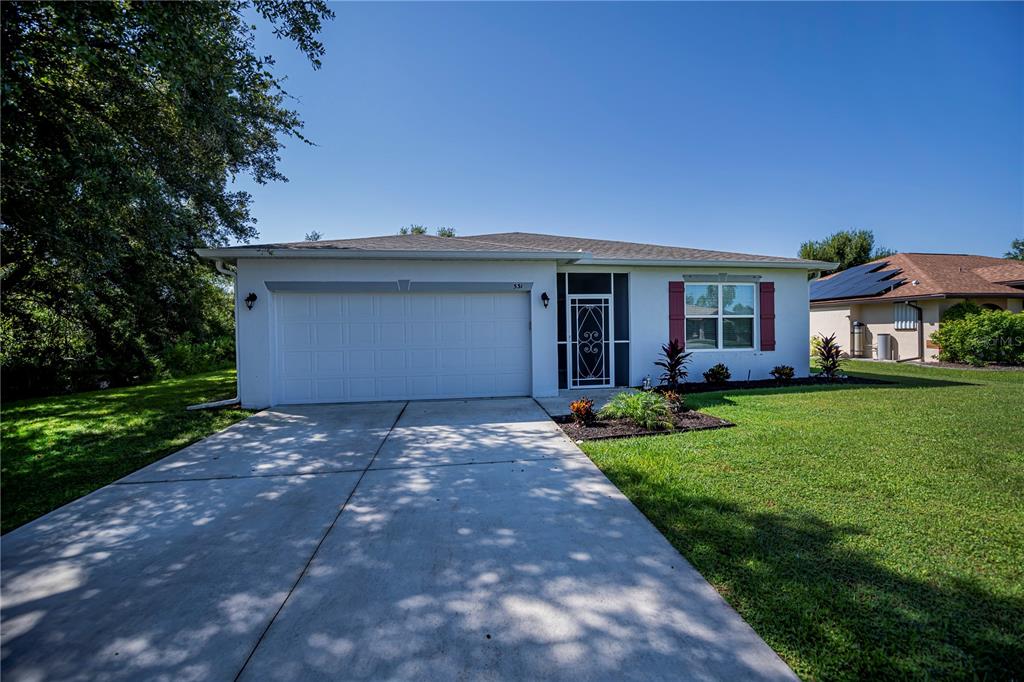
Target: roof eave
[[232, 254]]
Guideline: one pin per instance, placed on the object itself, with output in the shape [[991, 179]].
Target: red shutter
[[767, 315], [676, 313]]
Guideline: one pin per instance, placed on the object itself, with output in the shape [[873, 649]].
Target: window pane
[[621, 308], [738, 299], [622, 364], [560, 306], [701, 299], [701, 333], [738, 332], [590, 283]]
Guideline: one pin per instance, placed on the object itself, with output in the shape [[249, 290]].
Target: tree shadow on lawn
[[832, 611], [712, 398]]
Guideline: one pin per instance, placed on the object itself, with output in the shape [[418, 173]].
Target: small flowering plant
[[582, 411], [676, 400]]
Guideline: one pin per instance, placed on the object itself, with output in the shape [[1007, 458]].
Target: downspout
[[233, 274], [920, 332]]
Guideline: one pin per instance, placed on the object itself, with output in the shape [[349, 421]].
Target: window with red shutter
[[767, 291], [676, 313]]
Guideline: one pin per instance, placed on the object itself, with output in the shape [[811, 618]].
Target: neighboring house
[[904, 295], [512, 314]]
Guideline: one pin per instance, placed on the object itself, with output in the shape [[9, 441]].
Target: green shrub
[[783, 373], [960, 311], [674, 361], [987, 337], [648, 410], [719, 374], [815, 345], [829, 357], [187, 357]]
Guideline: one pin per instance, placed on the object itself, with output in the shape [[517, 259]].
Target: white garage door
[[352, 347]]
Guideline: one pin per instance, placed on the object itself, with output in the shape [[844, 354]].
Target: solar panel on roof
[[862, 280], [840, 280], [864, 286]]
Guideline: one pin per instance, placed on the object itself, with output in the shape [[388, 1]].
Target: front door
[[590, 346]]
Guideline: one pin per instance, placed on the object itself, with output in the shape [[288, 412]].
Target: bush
[[674, 362], [829, 356], [783, 373], [815, 345], [960, 311], [719, 374], [187, 357], [582, 411], [648, 410], [987, 337]]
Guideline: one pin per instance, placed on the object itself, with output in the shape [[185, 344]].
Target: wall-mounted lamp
[[250, 300], [545, 299]]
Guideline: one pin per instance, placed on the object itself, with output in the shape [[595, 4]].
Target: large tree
[[123, 126], [846, 247], [1016, 251]]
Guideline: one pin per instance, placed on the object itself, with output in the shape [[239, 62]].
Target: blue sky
[[726, 126]]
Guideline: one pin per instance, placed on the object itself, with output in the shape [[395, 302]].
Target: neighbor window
[[719, 316], [904, 316]]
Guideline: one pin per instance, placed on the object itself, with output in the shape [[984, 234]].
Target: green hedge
[[188, 357], [982, 338], [961, 310]]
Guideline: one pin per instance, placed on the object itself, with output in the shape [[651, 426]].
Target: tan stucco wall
[[832, 320], [879, 318]]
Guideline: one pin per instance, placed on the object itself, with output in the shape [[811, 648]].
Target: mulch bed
[[691, 420], [696, 387]]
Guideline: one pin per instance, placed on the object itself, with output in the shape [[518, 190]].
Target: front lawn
[[57, 449], [863, 531]]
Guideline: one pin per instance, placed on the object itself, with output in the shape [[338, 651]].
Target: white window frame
[[721, 316]]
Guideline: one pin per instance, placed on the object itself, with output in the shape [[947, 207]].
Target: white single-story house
[[512, 314], [888, 309]]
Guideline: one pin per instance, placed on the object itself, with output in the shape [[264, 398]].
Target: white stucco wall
[[256, 352], [648, 322], [648, 293]]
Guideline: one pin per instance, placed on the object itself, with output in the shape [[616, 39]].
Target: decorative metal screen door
[[590, 343]]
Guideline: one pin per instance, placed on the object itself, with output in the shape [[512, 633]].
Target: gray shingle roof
[[394, 242], [522, 242], [603, 249]]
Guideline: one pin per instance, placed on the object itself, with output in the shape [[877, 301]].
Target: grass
[[863, 531], [57, 449]]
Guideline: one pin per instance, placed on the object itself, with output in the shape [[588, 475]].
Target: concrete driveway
[[430, 540]]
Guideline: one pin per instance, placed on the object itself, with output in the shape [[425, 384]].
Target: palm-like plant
[[674, 362], [829, 355]]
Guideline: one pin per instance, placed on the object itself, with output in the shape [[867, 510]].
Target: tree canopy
[[123, 127], [846, 247], [422, 229], [1016, 251]]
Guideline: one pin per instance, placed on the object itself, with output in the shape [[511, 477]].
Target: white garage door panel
[[351, 347]]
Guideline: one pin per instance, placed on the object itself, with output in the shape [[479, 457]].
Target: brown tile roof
[[1011, 271], [943, 274]]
